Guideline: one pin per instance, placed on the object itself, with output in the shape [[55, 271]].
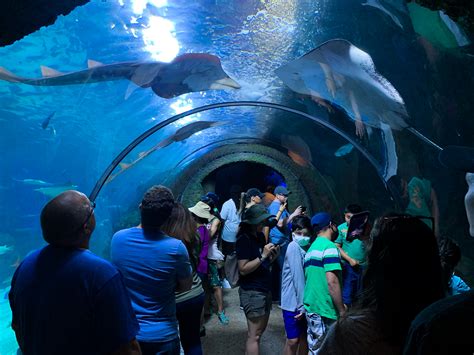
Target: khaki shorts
[[255, 303]]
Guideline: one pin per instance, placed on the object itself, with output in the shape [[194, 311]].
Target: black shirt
[[445, 327], [249, 247]]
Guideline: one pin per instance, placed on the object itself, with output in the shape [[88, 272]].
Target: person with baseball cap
[[322, 293], [254, 257], [280, 234]]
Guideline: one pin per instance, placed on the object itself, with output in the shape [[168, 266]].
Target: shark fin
[[46, 71], [93, 64], [124, 166]]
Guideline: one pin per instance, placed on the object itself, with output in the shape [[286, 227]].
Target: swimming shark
[[189, 72], [34, 182], [5, 248], [180, 135], [54, 191], [46, 121]]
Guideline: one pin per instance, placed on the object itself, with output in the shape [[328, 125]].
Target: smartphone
[[281, 242], [303, 209], [357, 225]]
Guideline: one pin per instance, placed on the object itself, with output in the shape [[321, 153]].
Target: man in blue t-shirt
[[66, 300], [154, 266], [280, 234]]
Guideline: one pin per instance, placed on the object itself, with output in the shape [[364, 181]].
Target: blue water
[[94, 122]]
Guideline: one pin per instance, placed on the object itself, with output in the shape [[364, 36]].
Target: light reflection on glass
[[159, 38]]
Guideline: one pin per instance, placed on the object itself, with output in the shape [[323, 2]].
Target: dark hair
[[235, 195], [200, 220], [246, 228], [61, 218], [156, 207], [403, 274], [301, 222], [353, 208], [182, 226], [450, 256]]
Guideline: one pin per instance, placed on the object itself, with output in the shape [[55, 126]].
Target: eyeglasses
[[89, 215], [422, 218]]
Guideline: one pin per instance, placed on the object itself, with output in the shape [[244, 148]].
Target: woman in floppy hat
[[254, 258]]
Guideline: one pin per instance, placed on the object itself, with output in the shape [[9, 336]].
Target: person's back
[[151, 266], [58, 297], [66, 300], [154, 266]]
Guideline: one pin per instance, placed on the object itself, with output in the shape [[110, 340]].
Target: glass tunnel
[[341, 101]]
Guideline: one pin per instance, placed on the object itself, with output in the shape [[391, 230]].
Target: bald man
[[66, 300]]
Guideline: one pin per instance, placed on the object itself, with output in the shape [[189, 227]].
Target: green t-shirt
[[355, 249], [322, 256]]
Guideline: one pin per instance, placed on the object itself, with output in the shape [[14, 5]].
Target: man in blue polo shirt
[[66, 300]]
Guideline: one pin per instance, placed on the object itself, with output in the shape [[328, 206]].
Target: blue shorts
[[294, 328]]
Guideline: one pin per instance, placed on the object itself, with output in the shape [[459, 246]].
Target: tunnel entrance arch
[[309, 187]]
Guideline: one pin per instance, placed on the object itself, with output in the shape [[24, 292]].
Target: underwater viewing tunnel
[[340, 101]]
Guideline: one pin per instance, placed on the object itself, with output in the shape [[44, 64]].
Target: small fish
[[180, 135], [54, 191], [344, 150], [34, 182], [45, 123], [5, 249], [191, 72]]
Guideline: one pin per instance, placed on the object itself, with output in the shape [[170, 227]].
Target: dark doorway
[[244, 174]]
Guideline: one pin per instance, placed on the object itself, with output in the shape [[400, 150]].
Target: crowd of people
[[338, 294]]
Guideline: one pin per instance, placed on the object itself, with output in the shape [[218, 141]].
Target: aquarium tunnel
[[341, 101]]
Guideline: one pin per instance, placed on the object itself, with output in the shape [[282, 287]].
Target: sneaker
[[226, 284], [223, 318]]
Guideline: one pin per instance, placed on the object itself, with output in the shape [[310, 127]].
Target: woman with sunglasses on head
[[403, 276]]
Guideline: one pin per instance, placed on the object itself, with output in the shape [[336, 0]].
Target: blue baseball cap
[[320, 221], [281, 190]]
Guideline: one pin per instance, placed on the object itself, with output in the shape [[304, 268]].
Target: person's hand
[[353, 262], [283, 206], [267, 250], [274, 252], [300, 316], [298, 211], [360, 128]]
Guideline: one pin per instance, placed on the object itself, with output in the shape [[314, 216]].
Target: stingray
[[344, 75], [180, 135], [186, 73], [298, 150]]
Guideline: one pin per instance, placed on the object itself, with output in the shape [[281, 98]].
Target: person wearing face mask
[[292, 287], [322, 292]]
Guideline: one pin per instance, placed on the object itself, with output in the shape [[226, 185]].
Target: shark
[[5, 248], [180, 135], [34, 182], [54, 191], [190, 72]]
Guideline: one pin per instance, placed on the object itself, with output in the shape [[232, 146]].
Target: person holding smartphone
[[353, 254], [254, 257]]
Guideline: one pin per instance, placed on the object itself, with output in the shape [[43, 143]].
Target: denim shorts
[[255, 303]]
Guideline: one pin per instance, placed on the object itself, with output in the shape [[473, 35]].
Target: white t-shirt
[[232, 221]]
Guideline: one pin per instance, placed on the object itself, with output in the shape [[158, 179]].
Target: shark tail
[[9, 76]]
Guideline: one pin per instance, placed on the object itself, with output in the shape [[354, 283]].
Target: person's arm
[[346, 257], [296, 267], [184, 276], [131, 348], [335, 290], [247, 266], [295, 213], [214, 227]]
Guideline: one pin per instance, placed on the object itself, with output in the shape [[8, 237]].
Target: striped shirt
[[322, 256]]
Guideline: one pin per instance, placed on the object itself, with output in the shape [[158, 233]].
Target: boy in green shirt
[[322, 292], [353, 254]]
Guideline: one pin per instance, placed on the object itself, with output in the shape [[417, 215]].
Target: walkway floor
[[230, 339]]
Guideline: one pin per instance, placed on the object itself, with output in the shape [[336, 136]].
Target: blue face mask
[[302, 240]]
